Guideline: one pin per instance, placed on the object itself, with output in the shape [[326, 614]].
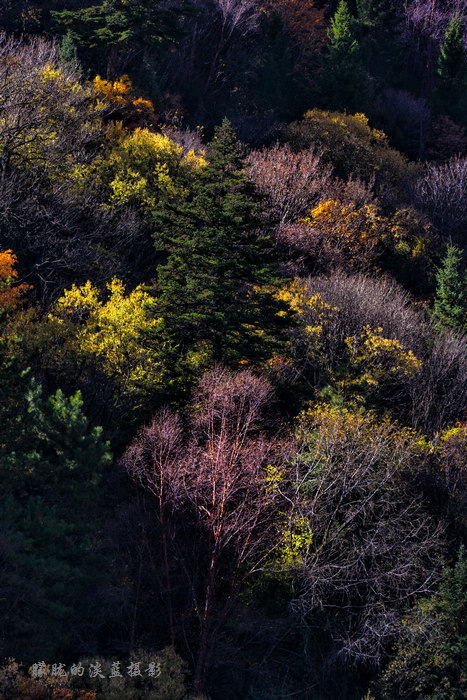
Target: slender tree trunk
[[167, 579], [135, 609], [200, 673]]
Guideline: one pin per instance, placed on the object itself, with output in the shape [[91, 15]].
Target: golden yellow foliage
[[329, 425], [142, 167], [314, 313], [112, 332], [296, 539], [356, 235], [119, 93], [379, 358], [356, 365], [46, 112], [351, 145]]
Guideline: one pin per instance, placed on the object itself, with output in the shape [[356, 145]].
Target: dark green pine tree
[[68, 51], [381, 51], [342, 82], [51, 465], [451, 83], [450, 308], [121, 28], [219, 261]]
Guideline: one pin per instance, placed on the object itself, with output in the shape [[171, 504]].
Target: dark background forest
[[233, 349]]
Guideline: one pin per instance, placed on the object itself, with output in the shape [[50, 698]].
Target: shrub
[[352, 147], [440, 193]]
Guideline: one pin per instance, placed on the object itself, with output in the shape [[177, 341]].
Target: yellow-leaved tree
[[362, 365], [376, 361], [352, 146], [112, 333], [349, 235], [125, 107], [140, 168], [48, 118]]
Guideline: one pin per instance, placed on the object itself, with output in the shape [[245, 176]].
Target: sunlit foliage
[[132, 111], [351, 234], [365, 366], [111, 332], [44, 109], [11, 293], [351, 471], [142, 168], [352, 146]]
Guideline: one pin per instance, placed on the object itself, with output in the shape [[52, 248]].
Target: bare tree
[[374, 548], [215, 473], [429, 400], [293, 182], [238, 19], [378, 301], [431, 17], [409, 114], [217, 33], [154, 460], [439, 396], [441, 193]]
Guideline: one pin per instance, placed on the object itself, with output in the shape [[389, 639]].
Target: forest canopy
[[233, 349]]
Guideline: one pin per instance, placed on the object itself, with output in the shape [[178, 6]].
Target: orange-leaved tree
[[130, 110], [348, 235], [11, 293]]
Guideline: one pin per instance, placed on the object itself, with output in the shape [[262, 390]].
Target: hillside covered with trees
[[233, 349]]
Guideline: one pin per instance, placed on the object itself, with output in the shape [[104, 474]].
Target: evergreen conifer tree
[[342, 81], [68, 52], [451, 61], [450, 308], [451, 87], [120, 28], [376, 28], [51, 464], [212, 287]]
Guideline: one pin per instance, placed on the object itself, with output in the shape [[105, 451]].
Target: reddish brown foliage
[[292, 182], [216, 473], [306, 25]]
